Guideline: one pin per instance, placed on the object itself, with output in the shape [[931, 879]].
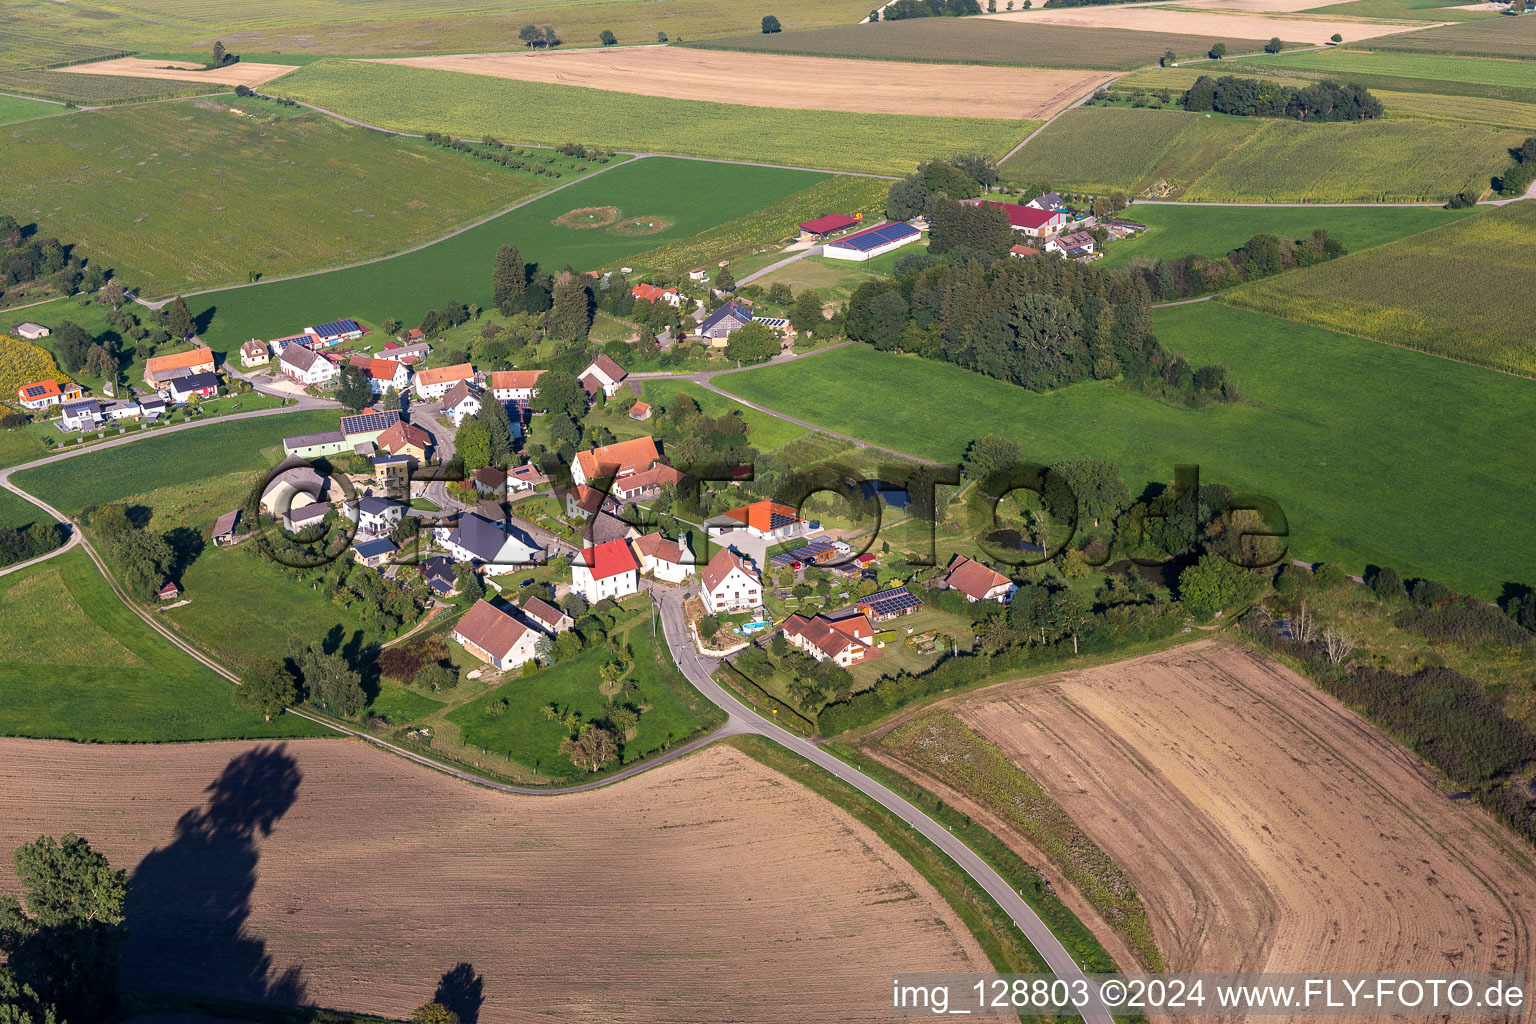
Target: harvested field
[[798, 83], [261, 872], [1266, 827], [241, 73], [1255, 6], [1209, 23]]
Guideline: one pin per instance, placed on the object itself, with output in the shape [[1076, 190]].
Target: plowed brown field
[[239, 73], [799, 83], [708, 889], [1265, 826]]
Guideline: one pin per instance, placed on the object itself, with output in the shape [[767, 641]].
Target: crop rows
[[1494, 37], [20, 50], [97, 90]]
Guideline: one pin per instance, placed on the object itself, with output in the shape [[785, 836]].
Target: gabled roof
[[590, 384], [375, 506], [873, 238], [765, 515], [831, 222], [195, 382], [730, 309], [654, 545], [334, 329], [458, 393], [490, 629], [822, 634], [89, 407], [542, 612], [374, 548], [658, 475], [1024, 216], [491, 477], [309, 440], [402, 434], [608, 559], [650, 292], [446, 374], [254, 347], [1025, 250], [39, 390], [381, 369], [514, 380], [226, 523], [178, 361], [720, 567], [636, 454], [302, 359], [369, 421], [972, 578], [610, 369]]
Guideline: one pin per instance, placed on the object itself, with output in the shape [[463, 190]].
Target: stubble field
[[1264, 825], [330, 873], [797, 83], [242, 73], [1313, 29]]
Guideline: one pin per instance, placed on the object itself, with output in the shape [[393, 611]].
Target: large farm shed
[[866, 245]]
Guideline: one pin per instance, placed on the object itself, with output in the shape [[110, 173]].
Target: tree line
[[1263, 255], [1255, 97], [901, 10], [517, 158], [26, 259]]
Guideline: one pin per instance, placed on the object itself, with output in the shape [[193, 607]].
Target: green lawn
[[1456, 291], [176, 196], [167, 461], [78, 665], [835, 280], [1175, 231], [1337, 435], [692, 195], [420, 99], [13, 109], [764, 432], [399, 706], [524, 735]]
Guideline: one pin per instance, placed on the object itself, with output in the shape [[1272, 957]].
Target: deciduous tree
[[267, 688], [179, 319], [592, 749], [509, 279]]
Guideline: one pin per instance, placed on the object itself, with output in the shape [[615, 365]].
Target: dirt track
[[800, 83], [1266, 827], [1147, 18], [240, 73], [708, 889]]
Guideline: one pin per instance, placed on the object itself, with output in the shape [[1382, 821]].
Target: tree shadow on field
[[188, 901], [463, 991]]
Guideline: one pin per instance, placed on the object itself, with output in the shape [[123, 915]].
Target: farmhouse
[[730, 583], [477, 539], [616, 460], [843, 641], [978, 582], [669, 560], [872, 242], [255, 353], [378, 515], [489, 482], [769, 520], [336, 331], [84, 415], [314, 446], [645, 485], [606, 570], [365, 427], [1074, 246], [821, 227], [583, 502], [1030, 220], [461, 402], [1048, 201], [30, 331], [889, 604], [495, 637], [606, 373], [651, 293], [514, 385], [224, 528], [306, 366], [1018, 252], [723, 322], [431, 384], [160, 370], [408, 354], [374, 553], [384, 374], [197, 385], [404, 439], [40, 394], [546, 616]]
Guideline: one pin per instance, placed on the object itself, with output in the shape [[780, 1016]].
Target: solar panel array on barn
[[367, 422], [778, 520], [887, 603], [812, 552], [876, 237], [335, 329]]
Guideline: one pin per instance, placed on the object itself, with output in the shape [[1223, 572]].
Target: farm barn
[[866, 245]]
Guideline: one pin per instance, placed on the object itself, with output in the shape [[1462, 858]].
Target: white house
[[378, 515], [495, 637], [669, 560], [433, 384], [84, 415], [1073, 245], [478, 539], [546, 616], [607, 570], [384, 374], [306, 366], [844, 641], [607, 373], [766, 520], [335, 331], [730, 583], [255, 353], [40, 394], [514, 385], [977, 582], [461, 401]]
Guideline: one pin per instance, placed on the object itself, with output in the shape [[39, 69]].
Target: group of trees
[[1261, 256], [1518, 178], [508, 155], [539, 37], [77, 350], [142, 558], [900, 10], [222, 58], [26, 259], [484, 439], [1265, 97], [961, 177], [30, 541]]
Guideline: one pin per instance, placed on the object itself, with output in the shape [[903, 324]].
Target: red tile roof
[[972, 578], [490, 629], [650, 292], [1025, 216], [759, 515], [445, 374], [720, 567], [608, 559], [634, 455], [514, 380], [831, 222]]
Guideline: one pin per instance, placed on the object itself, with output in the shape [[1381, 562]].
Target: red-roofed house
[[1020, 251], [607, 570], [670, 560], [843, 641], [633, 456], [770, 520], [1028, 220], [383, 373], [432, 384], [730, 584], [977, 582], [40, 394], [514, 385], [495, 637], [651, 293]]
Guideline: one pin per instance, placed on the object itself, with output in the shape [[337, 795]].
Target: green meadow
[[1376, 454]]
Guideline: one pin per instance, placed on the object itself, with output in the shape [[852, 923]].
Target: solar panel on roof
[[875, 237], [366, 422], [336, 327], [889, 602], [34, 390]]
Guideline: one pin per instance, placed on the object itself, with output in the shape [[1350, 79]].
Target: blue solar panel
[[336, 328], [875, 237]]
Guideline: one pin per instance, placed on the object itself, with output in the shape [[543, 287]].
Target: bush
[[1466, 622], [1387, 585]]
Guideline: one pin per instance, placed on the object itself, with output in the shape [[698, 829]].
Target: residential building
[[515, 385], [1072, 246], [30, 331], [123, 411], [314, 446], [1029, 220], [1020, 251], [405, 439], [822, 227], [461, 402], [526, 478], [302, 516], [489, 482], [160, 370], [889, 604], [546, 616], [495, 637], [723, 322], [367, 426], [84, 415], [224, 528], [378, 515], [306, 366], [1048, 201], [255, 353], [384, 374], [604, 527], [843, 642], [615, 460], [769, 520], [169, 592], [392, 474], [871, 242], [374, 553], [154, 407], [409, 354], [336, 331], [441, 575], [607, 374], [647, 484], [978, 582], [279, 344], [434, 384], [669, 560], [583, 502], [730, 583], [40, 394], [651, 293], [296, 483], [607, 570], [487, 542], [198, 385]]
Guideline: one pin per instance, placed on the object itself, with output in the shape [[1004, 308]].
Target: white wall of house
[[616, 586], [737, 592]]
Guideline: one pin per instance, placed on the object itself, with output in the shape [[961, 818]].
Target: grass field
[[22, 49], [1341, 64], [1216, 230], [167, 461], [835, 280], [1401, 10], [1450, 292], [1336, 421], [13, 109], [692, 195], [153, 192], [764, 432], [108, 677], [969, 41], [97, 90], [1101, 148], [415, 99], [1493, 37]]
